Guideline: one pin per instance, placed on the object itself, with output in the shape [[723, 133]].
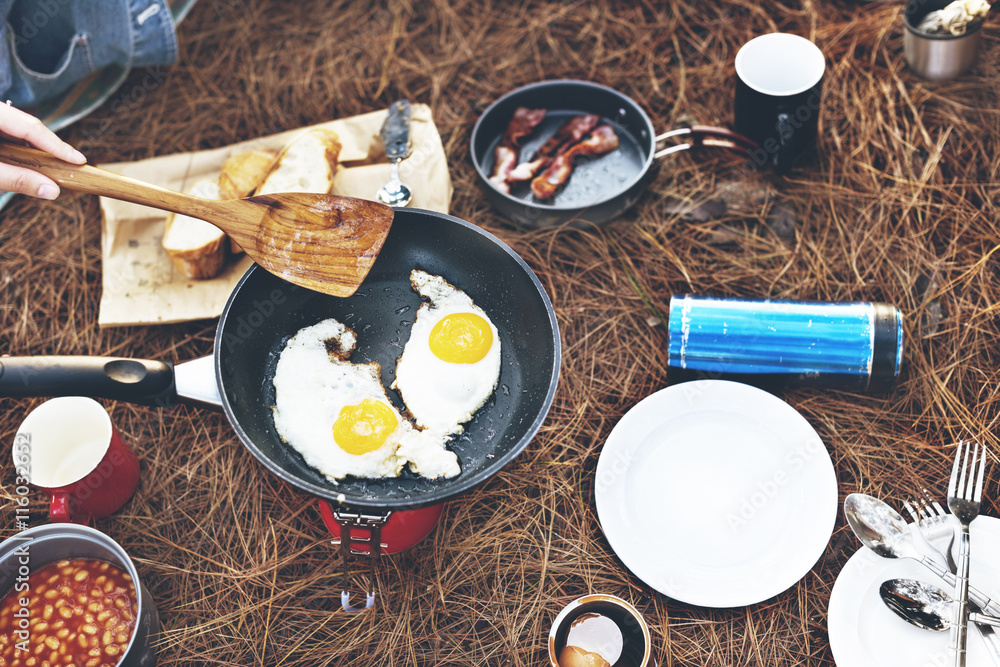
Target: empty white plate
[[716, 493]]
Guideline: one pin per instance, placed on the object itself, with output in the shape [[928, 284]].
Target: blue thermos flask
[[856, 346]]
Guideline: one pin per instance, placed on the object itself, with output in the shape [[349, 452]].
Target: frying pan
[[264, 311], [602, 188]]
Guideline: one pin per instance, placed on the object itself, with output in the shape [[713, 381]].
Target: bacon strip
[[504, 160], [568, 134], [600, 141], [527, 170], [523, 122], [506, 153], [572, 131]]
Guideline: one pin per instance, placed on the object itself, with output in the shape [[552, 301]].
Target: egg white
[[440, 395], [313, 382]]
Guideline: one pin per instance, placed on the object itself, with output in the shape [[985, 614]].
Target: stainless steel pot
[[937, 57], [36, 547]]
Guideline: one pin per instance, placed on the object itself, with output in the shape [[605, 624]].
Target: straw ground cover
[[899, 205]]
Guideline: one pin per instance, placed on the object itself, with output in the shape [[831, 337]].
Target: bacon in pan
[[572, 131], [506, 154], [504, 161], [600, 141]]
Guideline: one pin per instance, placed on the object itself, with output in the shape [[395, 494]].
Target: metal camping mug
[[937, 57], [68, 448], [635, 649], [845, 345], [36, 547]]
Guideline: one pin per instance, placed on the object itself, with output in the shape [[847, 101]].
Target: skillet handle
[[703, 135], [132, 380]]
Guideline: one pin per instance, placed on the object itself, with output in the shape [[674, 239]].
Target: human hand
[[17, 124]]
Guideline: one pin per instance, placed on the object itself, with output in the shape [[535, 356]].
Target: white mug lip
[[809, 50], [53, 405]]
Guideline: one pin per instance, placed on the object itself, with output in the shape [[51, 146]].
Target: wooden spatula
[[326, 243]]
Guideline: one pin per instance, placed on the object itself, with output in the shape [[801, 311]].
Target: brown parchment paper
[[140, 284]]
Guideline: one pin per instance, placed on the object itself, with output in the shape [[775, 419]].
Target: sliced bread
[[241, 174], [307, 164], [197, 248]]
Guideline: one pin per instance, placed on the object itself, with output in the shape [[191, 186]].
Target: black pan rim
[[436, 496], [485, 178]]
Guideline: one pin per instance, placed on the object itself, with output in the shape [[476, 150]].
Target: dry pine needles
[[900, 205]]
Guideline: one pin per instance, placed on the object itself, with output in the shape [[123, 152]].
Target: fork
[[965, 494], [935, 526]]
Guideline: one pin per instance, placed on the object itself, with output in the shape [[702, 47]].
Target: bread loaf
[[196, 248]]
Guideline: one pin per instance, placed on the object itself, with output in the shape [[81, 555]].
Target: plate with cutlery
[[865, 632], [716, 493], [916, 593]]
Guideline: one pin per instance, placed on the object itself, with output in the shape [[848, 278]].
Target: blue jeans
[[46, 46]]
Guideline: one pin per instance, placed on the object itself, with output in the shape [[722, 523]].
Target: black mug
[[779, 80]]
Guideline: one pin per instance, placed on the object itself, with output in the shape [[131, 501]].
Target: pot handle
[[370, 527], [131, 380], [702, 135]]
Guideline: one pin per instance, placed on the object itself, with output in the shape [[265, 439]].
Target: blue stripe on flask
[[752, 336]]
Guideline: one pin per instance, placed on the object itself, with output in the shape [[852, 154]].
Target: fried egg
[[337, 415], [451, 363]]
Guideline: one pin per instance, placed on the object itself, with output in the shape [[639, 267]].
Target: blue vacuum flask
[[845, 345]]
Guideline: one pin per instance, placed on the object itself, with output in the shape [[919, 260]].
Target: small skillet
[[602, 188]]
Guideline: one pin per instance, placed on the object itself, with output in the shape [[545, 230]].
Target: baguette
[[241, 174], [196, 248], [307, 164]]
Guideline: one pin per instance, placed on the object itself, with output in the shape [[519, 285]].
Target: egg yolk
[[364, 427], [461, 338]]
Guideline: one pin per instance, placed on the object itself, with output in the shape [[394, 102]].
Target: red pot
[[402, 530]]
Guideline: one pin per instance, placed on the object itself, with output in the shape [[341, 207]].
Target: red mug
[[68, 448]]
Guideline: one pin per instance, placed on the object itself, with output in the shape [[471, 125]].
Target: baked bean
[[79, 612]]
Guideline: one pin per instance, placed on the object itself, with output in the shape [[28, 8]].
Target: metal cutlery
[[883, 530], [965, 494], [929, 607], [935, 526], [395, 135]]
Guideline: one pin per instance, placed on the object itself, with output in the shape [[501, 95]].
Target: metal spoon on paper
[[883, 530], [929, 607], [395, 135]]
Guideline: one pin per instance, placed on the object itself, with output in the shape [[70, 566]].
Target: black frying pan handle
[[132, 380], [703, 135]]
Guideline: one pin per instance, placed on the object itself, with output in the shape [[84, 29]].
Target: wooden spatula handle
[[94, 181]]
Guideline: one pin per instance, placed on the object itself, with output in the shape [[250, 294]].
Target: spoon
[[323, 242], [395, 135], [883, 530], [929, 607]]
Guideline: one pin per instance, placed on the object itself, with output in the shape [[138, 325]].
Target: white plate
[[863, 632], [716, 493]]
